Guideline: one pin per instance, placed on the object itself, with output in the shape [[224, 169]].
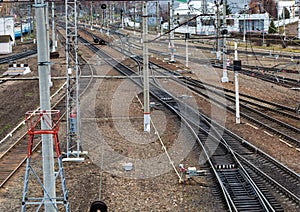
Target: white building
[[7, 27], [203, 24], [288, 4], [6, 43]]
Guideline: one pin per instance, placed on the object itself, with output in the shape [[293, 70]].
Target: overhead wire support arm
[[174, 28]]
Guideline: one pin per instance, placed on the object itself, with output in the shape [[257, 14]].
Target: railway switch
[[189, 172]]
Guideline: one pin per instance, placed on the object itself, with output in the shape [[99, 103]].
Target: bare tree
[[271, 7], [262, 6]]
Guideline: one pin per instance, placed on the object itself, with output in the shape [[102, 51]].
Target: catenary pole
[[48, 39], [43, 70], [224, 78], [157, 18], [299, 24], [147, 118], [171, 45], [187, 45], [53, 30], [218, 52]]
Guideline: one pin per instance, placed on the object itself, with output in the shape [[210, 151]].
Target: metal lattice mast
[[72, 75], [49, 122], [172, 59]]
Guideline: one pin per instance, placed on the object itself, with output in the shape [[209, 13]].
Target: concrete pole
[[107, 15], [224, 78], [244, 33], [91, 15], [283, 14], [204, 7], [187, 47], [134, 18], [299, 26], [113, 13], [122, 18], [147, 117], [171, 45], [218, 53], [157, 18], [43, 69], [54, 43], [48, 39], [236, 83]]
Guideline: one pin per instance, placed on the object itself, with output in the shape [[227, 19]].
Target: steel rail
[[125, 70]]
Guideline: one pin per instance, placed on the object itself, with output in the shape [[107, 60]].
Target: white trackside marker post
[[236, 83]]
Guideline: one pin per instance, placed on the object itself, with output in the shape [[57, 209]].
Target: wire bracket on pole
[[50, 120], [46, 63], [39, 5]]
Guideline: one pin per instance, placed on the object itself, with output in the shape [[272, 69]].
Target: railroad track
[[236, 176], [256, 112], [14, 145], [15, 57], [263, 75], [228, 170], [18, 56], [286, 131], [254, 109], [259, 72]]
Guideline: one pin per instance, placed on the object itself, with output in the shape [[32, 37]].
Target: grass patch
[[29, 94], [4, 128]]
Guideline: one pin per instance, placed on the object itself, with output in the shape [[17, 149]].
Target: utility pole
[[147, 117], [91, 15], [283, 14], [108, 19], [122, 15], [187, 35], [43, 69], [54, 43], [298, 22], [204, 7], [171, 42], [244, 33], [134, 18], [157, 18], [224, 32], [218, 52], [48, 38]]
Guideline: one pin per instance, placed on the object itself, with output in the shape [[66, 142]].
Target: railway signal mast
[[72, 74]]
